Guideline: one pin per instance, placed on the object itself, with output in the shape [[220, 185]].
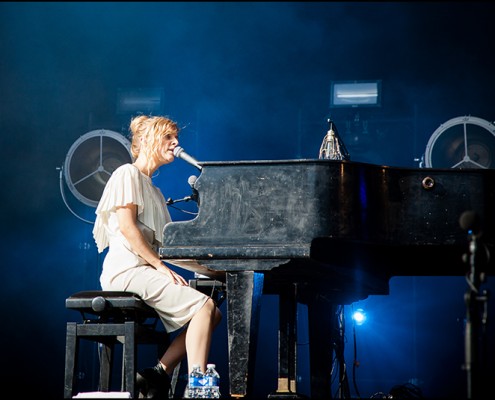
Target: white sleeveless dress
[[123, 269]]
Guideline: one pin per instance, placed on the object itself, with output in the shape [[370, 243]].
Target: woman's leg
[[175, 353], [194, 341], [198, 334]]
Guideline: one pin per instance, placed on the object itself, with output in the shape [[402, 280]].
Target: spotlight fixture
[[359, 316], [140, 101], [355, 94]]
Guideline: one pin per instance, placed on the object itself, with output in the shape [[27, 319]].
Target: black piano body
[[320, 232]]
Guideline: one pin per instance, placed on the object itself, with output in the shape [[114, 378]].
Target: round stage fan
[[90, 162], [462, 142]]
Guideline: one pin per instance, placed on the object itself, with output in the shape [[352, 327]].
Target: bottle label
[[196, 381]]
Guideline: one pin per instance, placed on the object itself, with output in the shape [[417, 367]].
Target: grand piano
[[322, 233]]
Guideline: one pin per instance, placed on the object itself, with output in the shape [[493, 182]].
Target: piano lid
[[276, 210]]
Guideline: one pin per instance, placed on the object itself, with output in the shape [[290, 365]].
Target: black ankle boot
[[153, 383]]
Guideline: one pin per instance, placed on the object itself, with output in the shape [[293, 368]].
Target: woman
[[130, 218]]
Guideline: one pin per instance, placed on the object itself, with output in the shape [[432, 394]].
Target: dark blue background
[[246, 80]]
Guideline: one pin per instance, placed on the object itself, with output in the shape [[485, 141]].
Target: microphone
[[195, 195], [179, 152], [470, 221]]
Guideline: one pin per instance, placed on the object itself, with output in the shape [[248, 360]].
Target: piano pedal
[[288, 395]]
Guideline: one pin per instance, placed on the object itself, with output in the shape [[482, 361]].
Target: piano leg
[[287, 344], [244, 290], [321, 328]]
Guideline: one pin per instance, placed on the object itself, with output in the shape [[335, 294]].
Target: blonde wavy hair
[[154, 130]]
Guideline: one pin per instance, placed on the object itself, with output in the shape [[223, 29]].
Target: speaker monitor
[[90, 162], [462, 142]]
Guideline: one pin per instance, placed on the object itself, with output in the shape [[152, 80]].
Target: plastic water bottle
[[212, 382], [195, 388]]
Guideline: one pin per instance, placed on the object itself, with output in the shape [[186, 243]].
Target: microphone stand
[[476, 321], [187, 198], [171, 201]]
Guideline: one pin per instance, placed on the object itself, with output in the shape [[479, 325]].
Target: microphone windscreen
[[192, 180], [470, 221], [177, 151]]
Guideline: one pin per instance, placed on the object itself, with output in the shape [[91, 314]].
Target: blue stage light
[[359, 316]]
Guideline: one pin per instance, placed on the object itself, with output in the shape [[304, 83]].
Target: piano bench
[[110, 318]]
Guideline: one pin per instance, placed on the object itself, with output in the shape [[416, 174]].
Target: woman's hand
[[176, 278]]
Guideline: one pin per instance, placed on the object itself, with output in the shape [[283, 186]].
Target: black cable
[[355, 362], [343, 386], [184, 211]]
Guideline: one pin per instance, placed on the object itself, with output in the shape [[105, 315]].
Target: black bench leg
[[130, 359], [71, 344], [106, 362]]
